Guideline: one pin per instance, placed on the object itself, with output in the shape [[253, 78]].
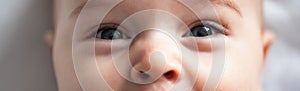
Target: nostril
[[144, 75], [171, 75]]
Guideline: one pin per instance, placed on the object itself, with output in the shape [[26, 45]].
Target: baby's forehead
[[146, 3], [135, 2], [230, 3], [75, 6]]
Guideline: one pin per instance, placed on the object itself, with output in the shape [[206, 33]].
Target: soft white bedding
[[282, 71]]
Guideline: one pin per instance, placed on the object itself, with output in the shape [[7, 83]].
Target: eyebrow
[[78, 8], [228, 3]]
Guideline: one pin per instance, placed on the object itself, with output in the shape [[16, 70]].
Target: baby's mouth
[[160, 85]]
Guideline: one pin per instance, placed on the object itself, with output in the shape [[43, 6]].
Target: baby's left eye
[[205, 29]]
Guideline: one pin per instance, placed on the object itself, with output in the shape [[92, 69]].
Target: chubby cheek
[[106, 66], [208, 50], [243, 66], [64, 70], [109, 72], [203, 74]]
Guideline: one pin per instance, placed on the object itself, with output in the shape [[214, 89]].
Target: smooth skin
[[246, 45]]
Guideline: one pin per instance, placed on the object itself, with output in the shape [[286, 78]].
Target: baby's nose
[[154, 56]]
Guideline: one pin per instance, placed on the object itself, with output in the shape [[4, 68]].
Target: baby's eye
[[110, 33], [205, 28]]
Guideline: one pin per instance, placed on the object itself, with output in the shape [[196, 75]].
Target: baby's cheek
[[108, 60], [204, 69], [108, 71], [241, 67]]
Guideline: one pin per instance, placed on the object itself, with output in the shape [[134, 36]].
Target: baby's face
[[155, 45]]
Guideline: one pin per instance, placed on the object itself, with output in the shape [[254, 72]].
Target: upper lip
[[161, 84]]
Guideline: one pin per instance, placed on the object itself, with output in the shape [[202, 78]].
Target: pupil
[[201, 31]]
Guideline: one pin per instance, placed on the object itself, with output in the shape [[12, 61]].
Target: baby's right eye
[[110, 33]]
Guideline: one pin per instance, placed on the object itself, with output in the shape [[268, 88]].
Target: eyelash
[[217, 26], [221, 28], [94, 32]]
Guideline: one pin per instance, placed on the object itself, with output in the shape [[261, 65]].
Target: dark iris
[[109, 33], [201, 31]]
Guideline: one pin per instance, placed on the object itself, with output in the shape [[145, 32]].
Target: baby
[[159, 45]]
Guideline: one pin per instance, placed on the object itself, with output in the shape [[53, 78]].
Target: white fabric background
[[25, 64], [282, 71]]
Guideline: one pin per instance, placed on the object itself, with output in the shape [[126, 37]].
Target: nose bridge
[[150, 41]]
